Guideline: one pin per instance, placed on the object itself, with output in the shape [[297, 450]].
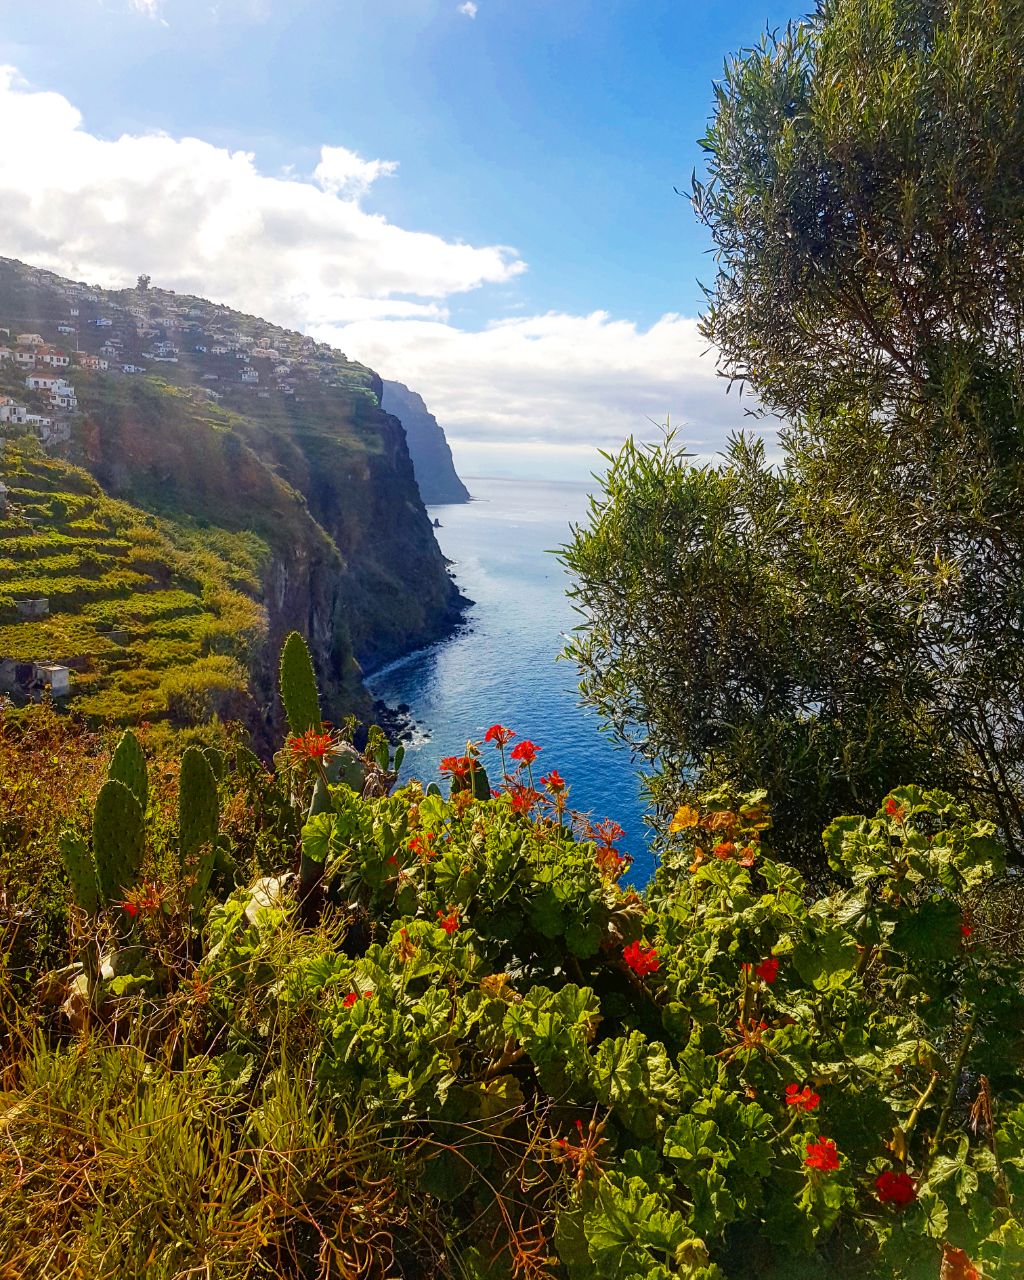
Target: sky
[[475, 197]]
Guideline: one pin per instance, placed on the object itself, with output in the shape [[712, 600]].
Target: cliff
[[431, 456], [199, 414]]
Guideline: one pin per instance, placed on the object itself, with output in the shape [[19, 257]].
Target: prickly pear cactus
[[481, 783], [298, 686], [204, 873], [81, 869], [128, 765], [118, 839], [198, 805]]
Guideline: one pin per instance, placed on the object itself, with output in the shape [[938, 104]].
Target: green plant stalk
[[954, 1080]]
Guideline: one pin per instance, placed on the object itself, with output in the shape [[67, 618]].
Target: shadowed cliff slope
[[431, 456]]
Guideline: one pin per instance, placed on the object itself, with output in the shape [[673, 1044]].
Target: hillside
[[430, 452], [152, 619], [196, 413]]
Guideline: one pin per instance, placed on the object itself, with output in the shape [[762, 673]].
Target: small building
[[103, 322], [44, 382], [52, 676], [65, 328], [31, 340], [25, 359], [91, 362], [55, 359], [4, 491], [132, 368], [250, 375]]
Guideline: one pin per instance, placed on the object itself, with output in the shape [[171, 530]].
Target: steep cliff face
[[431, 457], [196, 412]]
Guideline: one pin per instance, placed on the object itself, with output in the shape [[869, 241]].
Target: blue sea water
[[503, 666]]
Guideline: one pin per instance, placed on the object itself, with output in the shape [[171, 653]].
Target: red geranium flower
[[554, 781], [894, 810], [768, 970], [499, 734], [822, 1155], [457, 766], [896, 1188], [966, 930], [526, 751], [804, 1098], [641, 959], [956, 1265], [350, 1000], [309, 745], [131, 909], [523, 798], [449, 922]]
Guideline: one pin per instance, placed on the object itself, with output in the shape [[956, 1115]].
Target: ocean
[[504, 666]]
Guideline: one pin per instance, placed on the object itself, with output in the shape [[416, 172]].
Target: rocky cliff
[[194, 411], [431, 456]]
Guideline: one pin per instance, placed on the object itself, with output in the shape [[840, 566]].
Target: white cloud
[[558, 386], [347, 174], [200, 218], [305, 253], [469, 9]]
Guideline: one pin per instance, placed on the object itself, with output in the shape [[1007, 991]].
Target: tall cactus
[[298, 686], [128, 766], [118, 839]]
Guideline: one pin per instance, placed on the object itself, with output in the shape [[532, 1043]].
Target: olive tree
[[852, 617]]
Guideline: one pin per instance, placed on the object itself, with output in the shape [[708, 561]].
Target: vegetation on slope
[[481, 1056], [158, 620]]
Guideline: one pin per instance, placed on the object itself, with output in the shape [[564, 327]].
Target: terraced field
[[156, 619]]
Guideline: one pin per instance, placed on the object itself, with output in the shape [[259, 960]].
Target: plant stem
[[954, 1081]]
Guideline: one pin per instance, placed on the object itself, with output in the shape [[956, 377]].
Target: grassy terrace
[[179, 600]]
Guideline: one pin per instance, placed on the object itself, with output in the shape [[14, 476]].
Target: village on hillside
[[50, 327]]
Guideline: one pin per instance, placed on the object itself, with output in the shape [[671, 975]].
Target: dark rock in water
[[428, 448], [437, 523]]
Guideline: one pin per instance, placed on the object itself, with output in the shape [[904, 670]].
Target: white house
[[132, 368], [54, 358], [64, 398], [91, 362], [31, 340], [103, 322], [6, 353], [12, 412], [65, 328], [44, 381], [250, 375]]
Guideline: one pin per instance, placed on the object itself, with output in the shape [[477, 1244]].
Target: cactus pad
[[128, 765], [81, 869], [298, 686], [198, 805], [118, 839]]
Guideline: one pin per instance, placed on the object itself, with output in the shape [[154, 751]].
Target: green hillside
[[156, 619]]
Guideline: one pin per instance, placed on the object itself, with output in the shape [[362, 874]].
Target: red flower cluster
[[147, 901], [451, 921], [641, 959], [456, 766], [806, 1099], [309, 745], [498, 734], [353, 998], [956, 1265], [822, 1155], [525, 752], [896, 1188], [554, 782], [523, 798], [422, 846], [894, 810], [767, 970], [610, 863]]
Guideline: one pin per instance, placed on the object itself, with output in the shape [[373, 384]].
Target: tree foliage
[[853, 616]]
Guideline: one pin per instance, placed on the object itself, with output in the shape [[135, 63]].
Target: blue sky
[[554, 128]]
